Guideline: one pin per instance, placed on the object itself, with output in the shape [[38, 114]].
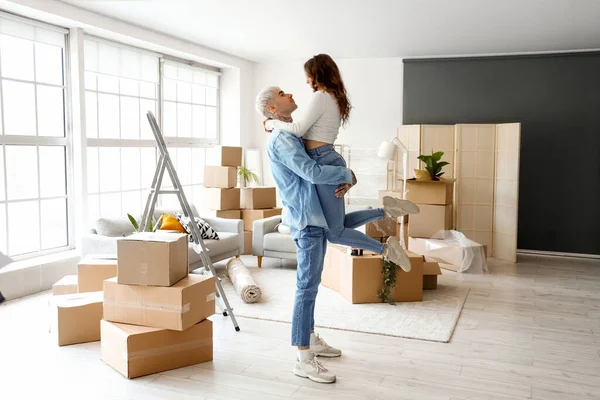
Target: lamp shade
[[387, 151]]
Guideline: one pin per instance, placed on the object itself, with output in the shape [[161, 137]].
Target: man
[[296, 174]]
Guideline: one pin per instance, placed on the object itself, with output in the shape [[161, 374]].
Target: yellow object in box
[[177, 307], [136, 351], [171, 223], [152, 258], [76, 317], [93, 270], [67, 285]]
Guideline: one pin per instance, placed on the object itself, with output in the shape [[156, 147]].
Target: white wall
[[375, 90]]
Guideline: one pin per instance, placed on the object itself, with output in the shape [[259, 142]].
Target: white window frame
[[65, 142], [171, 142]]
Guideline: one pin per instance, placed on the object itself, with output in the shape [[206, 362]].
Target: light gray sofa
[[102, 239], [270, 239]]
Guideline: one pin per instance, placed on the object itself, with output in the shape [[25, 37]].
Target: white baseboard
[[36, 275], [558, 254]]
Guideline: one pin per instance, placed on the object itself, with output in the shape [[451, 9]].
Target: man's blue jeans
[[341, 225], [311, 244]]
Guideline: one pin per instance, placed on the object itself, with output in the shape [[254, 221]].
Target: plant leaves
[[424, 158], [133, 222], [151, 225], [442, 164], [437, 156], [440, 174]]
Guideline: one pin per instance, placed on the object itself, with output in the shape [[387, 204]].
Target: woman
[[328, 109]]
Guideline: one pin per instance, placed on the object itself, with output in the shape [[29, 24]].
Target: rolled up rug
[[242, 281]]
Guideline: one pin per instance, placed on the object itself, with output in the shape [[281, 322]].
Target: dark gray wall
[[556, 98]]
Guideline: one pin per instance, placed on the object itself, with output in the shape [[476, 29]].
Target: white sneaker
[[395, 208], [396, 254], [312, 369], [321, 348]]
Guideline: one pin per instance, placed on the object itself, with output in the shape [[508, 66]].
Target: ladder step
[[175, 191]]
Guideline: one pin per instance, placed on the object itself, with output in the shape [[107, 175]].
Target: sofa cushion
[[279, 242], [206, 231], [114, 227], [227, 243], [283, 229]]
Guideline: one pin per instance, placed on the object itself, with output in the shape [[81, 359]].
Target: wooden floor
[[530, 330]]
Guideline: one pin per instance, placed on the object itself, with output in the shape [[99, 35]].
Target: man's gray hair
[[264, 99]]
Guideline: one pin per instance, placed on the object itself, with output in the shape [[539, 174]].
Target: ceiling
[[280, 30]]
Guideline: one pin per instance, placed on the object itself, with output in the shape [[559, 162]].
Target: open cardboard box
[[359, 278], [430, 192]]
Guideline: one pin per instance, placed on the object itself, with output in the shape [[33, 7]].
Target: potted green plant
[[433, 165], [151, 228], [246, 176]]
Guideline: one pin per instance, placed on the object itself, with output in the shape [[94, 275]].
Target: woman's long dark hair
[[324, 72]]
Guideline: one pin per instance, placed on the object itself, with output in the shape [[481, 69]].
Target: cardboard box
[[449, 254], [249, 216], [152, 259], [67, 285], [177, 307], [139, 350], [431, 270], [93, 270], [258, 198], [430, 221], [430, 192], [247, 242], [76, 317], [220, 177], [221, 199], [359, 278], [227, 214], [225, 156]]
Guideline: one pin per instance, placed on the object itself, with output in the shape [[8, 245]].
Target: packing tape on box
[[177, 308], [170, 349], [242, 281]]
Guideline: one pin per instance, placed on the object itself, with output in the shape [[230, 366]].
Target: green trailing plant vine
[[433, 164], [246, 176], [389, 282]]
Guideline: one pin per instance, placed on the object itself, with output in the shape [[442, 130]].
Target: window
[[122, 83], [190, 114], [34, 149], [190, 102]]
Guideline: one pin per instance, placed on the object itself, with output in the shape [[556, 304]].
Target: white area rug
[[432, 319]]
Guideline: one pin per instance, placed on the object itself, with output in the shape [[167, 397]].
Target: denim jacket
[[296, 174]]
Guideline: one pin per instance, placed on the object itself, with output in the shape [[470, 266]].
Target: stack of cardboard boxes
[[152, 315], [256, 203], [434, 199], [221, 197], [77, 301], [155, 314]]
